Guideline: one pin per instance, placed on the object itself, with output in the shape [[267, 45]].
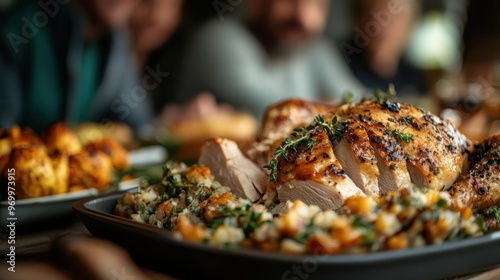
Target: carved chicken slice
[[230, 167], [411, 141], [358, 158], [381, 147], [390, 160], [313, 175], [480, 188], [279, 122]]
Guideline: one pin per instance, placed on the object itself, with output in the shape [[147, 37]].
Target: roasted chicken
[[113, 149], [380, 147], [92, 169], [59, 163], [60, 138], [34, 172], [479, 188], [230, 167], [368, 148], [279, 122]]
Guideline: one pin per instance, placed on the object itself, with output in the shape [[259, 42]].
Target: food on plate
[[34, 172], [373, 147], [60, 138], [92, 132], [59, 163], [198, 208], [113, 149], [189, 126], [247, 178], [374, 175], [479, 188], [91, 169]]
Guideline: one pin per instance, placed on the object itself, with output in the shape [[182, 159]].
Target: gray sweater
[[226, 59]]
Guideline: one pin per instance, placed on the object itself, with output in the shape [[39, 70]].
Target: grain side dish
[[192, 204]]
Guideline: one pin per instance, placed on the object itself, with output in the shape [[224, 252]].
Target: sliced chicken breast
[[358, 159], [434, 150], [230, 167], [307, 174], [314, 193]]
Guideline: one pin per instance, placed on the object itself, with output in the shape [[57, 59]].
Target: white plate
[[49, 209], [147, 156]]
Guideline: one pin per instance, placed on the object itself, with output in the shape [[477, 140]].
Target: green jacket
[[48, 73]]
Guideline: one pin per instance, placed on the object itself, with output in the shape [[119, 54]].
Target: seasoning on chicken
[[113, 149], [313, 174], [384, 143], [34, 172], [279, 122], [60, 138], [90, 170], [480, 187]]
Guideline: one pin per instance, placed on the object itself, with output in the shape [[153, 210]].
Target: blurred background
[[182, 71]]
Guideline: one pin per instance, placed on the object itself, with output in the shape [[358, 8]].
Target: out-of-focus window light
[[436, 43]]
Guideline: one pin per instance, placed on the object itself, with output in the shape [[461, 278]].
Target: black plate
[[158, 249]]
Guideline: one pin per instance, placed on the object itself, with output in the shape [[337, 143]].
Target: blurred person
[[482, 41], [157, 28], [69, 61], [275, 53], [382, 34]]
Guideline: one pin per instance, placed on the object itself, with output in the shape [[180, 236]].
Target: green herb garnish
[[348, 98], [303, 136], [251, 222], [402, 137], [381, 96], [366, 229], [441, 203], [493, 212], [229, 213], [309, 231]]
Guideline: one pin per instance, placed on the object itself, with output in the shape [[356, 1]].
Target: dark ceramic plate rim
[[81, 208]]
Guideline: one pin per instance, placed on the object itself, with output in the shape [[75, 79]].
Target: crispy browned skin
[[313, 175], [60, 138], [432, 155], [90, 170], [480, 188], [318, 163], [436, 153], [60, 162], [5, 148], [24, 138], [113, 149], [34, 172], [279, 121]]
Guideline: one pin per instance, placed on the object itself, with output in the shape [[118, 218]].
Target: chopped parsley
[[402, 137]]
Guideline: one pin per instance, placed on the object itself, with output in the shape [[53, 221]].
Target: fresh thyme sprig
[[303, 136], [348, 97], [380, 96], [401, 136]]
